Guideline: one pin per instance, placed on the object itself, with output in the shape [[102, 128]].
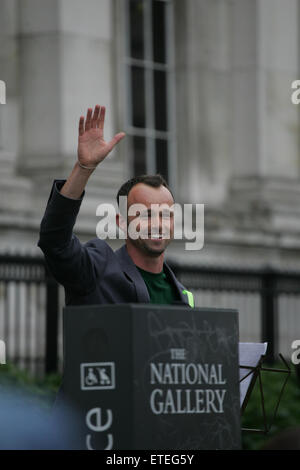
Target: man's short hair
[[151, 180]]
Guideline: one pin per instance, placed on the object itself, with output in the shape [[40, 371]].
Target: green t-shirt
[[161, 291]]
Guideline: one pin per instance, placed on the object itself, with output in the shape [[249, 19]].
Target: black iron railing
[[269, 285], [29, 310], [30, 307]]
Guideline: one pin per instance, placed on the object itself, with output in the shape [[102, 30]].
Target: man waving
[[93, 273]]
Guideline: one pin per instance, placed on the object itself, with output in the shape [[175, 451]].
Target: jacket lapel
[[133, 273], [177, 284]]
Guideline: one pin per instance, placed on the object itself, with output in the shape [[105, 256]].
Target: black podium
[[153, 377]]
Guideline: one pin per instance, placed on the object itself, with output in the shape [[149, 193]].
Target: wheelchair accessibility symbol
[[97, 376]]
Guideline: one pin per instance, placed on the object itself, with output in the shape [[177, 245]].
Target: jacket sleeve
[[69, 261]]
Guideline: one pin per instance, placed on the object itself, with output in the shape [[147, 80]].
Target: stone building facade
[[219, 71], [234, 135]]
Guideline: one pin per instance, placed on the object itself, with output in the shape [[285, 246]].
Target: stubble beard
[[149, 249]]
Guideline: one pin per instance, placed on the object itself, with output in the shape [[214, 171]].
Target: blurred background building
[[202, 89]]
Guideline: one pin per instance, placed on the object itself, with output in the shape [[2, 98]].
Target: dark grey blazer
[[91, 273]]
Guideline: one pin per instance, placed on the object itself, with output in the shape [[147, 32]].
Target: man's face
[[156, 223]]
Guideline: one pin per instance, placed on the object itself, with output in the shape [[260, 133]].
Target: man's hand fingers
[[100, 122], [115, 140], [81, 125], [88, 119], [95, 116]]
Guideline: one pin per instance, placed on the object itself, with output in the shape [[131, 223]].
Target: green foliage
[[42, 391], [288, 414]]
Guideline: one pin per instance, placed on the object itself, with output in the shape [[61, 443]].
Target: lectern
[[153, 377]]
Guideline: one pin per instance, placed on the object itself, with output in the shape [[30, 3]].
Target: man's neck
[[153, 264]]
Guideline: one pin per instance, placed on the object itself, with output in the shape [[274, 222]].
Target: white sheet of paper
[[249, 355]]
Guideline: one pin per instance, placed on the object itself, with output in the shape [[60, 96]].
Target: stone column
[[67, 66], [203, 57], [265, 171], [9, 53], [14, 190]]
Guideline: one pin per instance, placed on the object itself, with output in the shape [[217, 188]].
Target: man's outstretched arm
[[92, 150], [68, 260]]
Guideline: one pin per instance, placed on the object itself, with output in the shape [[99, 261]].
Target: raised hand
[[92, 148]]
